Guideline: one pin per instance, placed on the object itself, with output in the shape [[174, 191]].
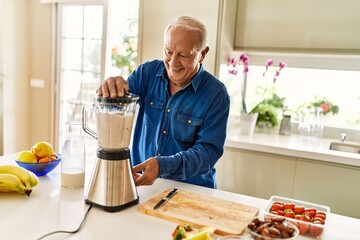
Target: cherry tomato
[[303, 228], [321, 215], [315, 231], [274, 212], [310, 211], [289, 214], [289, 206], [299, 209], [280, 212], [318, 220], [305, 218], [277, 206]]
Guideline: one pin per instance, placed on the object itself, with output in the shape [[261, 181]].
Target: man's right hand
[[113, 87]]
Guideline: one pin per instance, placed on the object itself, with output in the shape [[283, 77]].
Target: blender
[[111, 185]]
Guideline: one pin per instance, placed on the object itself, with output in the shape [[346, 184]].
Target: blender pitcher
[[114, 121], [112, 185]]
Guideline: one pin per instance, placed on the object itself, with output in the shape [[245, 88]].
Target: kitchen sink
[[345, 147]]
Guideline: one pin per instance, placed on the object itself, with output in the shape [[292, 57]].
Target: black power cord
[[64, 231]]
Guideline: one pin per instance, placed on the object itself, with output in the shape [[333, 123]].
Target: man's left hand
[[150, 172]]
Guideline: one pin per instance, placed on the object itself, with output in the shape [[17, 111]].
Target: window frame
[[57, 52]]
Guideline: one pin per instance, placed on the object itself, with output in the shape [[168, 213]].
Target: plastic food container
[[308, 229]]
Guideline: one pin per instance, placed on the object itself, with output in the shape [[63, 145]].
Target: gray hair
[[193, 25]]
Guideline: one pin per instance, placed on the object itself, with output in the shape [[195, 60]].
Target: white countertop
[[293, 146], [51, 207]]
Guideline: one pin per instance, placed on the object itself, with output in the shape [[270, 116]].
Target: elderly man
[[181, 125]]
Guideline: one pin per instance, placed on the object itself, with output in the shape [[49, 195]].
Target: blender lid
[[121, 154], [127, 98]]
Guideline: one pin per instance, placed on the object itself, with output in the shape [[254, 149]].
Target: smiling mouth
[[175, 70]]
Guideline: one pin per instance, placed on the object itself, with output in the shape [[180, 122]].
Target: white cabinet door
[[156, 14], [256, 174], [334, 185]]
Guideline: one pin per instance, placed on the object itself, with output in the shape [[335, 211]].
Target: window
[[299, 85], [87, 35]]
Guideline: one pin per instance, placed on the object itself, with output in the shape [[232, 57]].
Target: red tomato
[[310, 211], [299, 209], [277, 206], [315, 231], [318, 220], [289, 206], [280, 212], [289, 214], [303, 228], [321, 215], [277, 202], [305, 218], [274, 212]]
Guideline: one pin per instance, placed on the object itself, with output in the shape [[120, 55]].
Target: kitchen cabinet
[[256, 174], [322, 26], [261, 175], [328, 184]]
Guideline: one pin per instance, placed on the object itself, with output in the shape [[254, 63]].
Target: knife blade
[[165, 199]]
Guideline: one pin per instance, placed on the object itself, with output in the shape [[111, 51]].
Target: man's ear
[[203, 54]]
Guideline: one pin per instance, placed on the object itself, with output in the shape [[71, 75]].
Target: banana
[[18, 171], [34, 179], [11, 183]]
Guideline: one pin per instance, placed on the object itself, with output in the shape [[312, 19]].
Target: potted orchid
[[266, 110]]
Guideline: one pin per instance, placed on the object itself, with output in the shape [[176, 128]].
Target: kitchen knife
[[165, 199]]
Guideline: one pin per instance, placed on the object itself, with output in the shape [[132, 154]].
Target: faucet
[[343, 137]]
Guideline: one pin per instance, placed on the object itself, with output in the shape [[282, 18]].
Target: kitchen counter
[[292, 146], [51, 207]]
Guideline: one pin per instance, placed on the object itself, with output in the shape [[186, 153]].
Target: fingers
[[150, 169], [113, 87]]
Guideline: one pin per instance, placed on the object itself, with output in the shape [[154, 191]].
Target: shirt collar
[[195, 82]]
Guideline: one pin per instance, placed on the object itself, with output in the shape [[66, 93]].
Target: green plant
[[124, 55], [326, 105], [268, 110], [270, 104]]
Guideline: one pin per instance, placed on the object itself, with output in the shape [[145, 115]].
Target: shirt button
[[189, 121], [168, 110], [159, 154], [164, 132], [151, 103]]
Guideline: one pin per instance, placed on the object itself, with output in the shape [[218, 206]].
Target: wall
[[156, 14], [25, 43]]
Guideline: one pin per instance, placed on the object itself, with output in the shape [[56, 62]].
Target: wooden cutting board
[[201, 211]]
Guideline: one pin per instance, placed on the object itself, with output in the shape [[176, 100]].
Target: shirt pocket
[[187, 127], [153, 110]]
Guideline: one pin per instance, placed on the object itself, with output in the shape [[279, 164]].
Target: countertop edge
[[292, 146]]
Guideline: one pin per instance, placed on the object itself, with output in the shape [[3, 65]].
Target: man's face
[[181, 58]]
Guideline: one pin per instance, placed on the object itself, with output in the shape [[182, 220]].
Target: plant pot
[[247, 123]]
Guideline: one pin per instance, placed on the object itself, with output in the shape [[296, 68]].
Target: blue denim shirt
[[186, 131]]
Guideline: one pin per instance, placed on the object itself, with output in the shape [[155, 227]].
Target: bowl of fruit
[[41, 159], [309, 218]]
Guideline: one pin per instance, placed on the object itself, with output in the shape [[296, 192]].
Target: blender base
[[114, 208]]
